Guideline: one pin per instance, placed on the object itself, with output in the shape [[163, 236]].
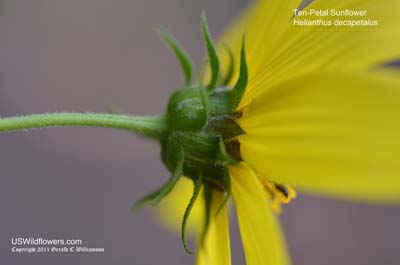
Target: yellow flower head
[[319, 113]]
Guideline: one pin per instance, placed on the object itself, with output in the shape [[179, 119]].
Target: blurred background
[[93, 55]]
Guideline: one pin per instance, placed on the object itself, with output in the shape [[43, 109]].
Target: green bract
[[201, 125]]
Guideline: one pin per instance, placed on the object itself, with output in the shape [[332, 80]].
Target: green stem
[[148, 126]]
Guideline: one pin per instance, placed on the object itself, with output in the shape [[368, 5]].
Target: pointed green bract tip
[[181, 54], [236, 94], [196, 192], [149, 198], [212, 55], [155, 197]]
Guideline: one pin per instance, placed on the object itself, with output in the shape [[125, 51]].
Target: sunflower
[[285, 107], [319, 113]]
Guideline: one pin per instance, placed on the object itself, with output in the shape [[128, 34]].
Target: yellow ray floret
[[215, 249], [331, 134], [262, 238], [278, 51]]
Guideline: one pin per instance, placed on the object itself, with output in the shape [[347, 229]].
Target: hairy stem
[[148, 126]]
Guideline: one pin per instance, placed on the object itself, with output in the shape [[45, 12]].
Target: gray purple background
[[90, 55]]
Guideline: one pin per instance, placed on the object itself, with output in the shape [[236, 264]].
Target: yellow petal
[[262, 238], [306, 49], [331, 134], [215, 249], [171, 209], [262, 22], [277, 50]]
